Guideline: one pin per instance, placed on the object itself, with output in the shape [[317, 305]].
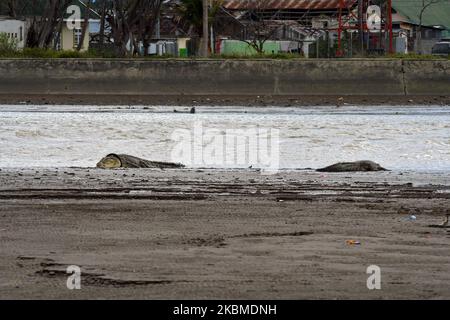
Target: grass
[[9, 52], [46, 54], [413, 56], [39, 53], [52, 54]]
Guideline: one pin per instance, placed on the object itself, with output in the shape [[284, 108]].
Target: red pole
[[391, 47], [339, 52]]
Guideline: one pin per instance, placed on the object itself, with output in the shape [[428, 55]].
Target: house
[[68, 39], [15, 29], [406, 21]]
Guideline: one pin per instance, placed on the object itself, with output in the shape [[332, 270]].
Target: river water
[[399, 138]]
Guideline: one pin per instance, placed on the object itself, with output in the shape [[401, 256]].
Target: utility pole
[[158, 28], [391, 39], [205, 37], [361, 26]]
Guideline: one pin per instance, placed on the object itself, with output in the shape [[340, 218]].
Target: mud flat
[[224, 100], [193, 234]]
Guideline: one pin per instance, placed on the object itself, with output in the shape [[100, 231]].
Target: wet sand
[[221, 100], [216, 234]]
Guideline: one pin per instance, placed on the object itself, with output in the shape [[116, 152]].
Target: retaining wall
[[225, 77]]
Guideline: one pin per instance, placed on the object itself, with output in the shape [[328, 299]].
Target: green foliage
[[8, 49], [413, 56], [102, 53], [73, 54], [192, 12], [24, 7], [8, 46], [37, 53], [47, 54]]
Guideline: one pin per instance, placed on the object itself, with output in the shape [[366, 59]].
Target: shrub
[[8, 46], [71, 54], [413, 56], [101, 53], [52, 54], [38, 53]]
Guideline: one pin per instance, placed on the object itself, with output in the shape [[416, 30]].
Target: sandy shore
[[218, 100], [204, 234]]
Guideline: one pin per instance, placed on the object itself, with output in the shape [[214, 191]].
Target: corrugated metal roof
[[436, 14], [285, 4]]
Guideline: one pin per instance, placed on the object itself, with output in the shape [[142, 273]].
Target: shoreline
[[224, 100]]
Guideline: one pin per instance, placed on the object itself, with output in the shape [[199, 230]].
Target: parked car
[[441, 48]]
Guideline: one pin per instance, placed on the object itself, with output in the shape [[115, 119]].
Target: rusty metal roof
[[285, 4]]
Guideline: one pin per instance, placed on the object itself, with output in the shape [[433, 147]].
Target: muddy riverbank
[[222, 234], [222, 100]]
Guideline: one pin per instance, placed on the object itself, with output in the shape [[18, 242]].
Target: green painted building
[[236, 47]]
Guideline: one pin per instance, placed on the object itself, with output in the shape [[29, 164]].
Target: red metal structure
[[352, 17], [284, 4]]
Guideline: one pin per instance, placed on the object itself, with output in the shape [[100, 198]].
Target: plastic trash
[[352, 242]]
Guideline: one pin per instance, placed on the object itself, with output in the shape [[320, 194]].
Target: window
[[441, 48], [59, 41], [21, 34], [76, 37]]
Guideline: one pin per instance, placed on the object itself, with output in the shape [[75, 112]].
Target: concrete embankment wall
[[225, 77]]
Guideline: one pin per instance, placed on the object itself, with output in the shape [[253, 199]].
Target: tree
[[11, 8], [205, 31], [424, 6], [42, 30], [85, 25], [44, 14], [260, 24], [191, 11], [20, 8], [102, 22], [132, 22]]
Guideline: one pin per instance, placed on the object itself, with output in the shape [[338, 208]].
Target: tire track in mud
[[86, 183], [220, 241], [190, 190], [50, 269]]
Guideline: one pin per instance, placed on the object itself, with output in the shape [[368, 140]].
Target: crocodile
[[115, 161]]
